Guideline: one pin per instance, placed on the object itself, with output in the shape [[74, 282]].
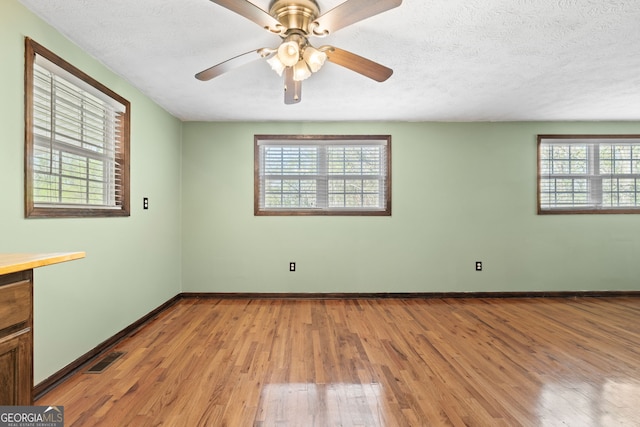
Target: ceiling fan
[[295, 21]]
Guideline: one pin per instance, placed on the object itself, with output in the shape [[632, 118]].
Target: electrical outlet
[[145, 203], [292, 266], [478, 265]]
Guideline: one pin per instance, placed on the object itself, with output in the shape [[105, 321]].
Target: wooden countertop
[[10, 263]]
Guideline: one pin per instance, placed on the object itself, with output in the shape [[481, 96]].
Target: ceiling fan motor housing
[[295, 15]]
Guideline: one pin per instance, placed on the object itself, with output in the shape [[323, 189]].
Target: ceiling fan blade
[[253, 13], [229, 64], [350, 12], [292, 88], [357, 63]]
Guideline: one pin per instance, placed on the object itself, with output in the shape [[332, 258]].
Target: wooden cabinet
[[16, 338], [15, 369], [16, 323]]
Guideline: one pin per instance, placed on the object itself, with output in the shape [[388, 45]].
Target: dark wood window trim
[[34, 210], [587, 139], [384, 210]]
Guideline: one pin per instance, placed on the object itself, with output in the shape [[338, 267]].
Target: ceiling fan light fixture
[[314, 58], [289, 53], [301, 71], [276, 64]]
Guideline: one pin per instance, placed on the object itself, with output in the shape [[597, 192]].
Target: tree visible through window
[[322, 175], [588, 174], [77, 141]]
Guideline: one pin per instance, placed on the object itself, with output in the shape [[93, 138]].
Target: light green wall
[[132, 264], [462, 192]]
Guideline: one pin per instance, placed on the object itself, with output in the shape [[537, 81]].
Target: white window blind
[[323, 175], [77, 137], [589, 174]]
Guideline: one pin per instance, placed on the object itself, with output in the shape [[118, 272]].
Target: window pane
[[290, 161], [354, 160], [336, 186], [353, 200], [620, 192], [290, 193], [354, 193]]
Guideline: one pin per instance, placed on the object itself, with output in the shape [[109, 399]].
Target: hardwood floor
[[371, 362]]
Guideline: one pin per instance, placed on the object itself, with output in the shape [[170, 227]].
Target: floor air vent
[[105, 362]]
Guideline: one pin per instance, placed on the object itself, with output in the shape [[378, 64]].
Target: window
[[588, 174], [77, 141], [322, 175]]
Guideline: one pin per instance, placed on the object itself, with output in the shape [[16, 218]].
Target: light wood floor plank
[[371, 362]]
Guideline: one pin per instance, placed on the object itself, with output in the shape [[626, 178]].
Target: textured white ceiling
[[453, 60]]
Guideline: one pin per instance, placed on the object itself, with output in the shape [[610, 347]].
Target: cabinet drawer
[[15, 304]]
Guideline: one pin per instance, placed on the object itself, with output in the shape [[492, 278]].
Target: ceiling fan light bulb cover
[[276, 64], [301, 71], [314, 58], [289, 53]]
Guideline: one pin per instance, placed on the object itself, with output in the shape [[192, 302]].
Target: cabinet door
[[15, 369]]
